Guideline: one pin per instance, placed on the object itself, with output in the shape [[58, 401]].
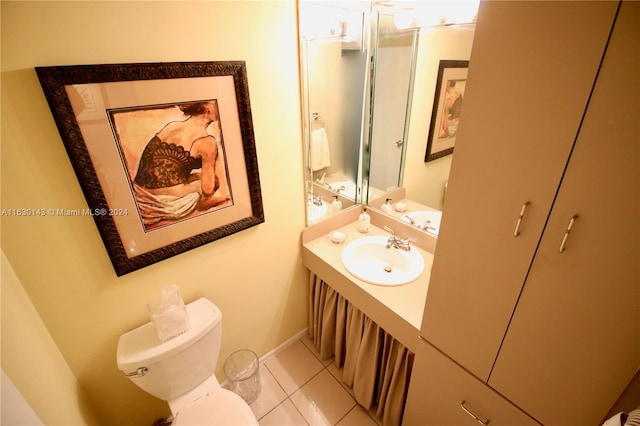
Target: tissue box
[[169, 314]]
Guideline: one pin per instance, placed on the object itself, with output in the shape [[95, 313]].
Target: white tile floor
[[298, 388]]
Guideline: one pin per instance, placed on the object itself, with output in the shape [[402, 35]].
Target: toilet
[[181, 370]]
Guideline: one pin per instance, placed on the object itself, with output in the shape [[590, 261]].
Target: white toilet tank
[[170, 369]]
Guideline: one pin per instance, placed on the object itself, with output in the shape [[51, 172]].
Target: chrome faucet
[[397, 242], [317, 200], [320, 181], [410, 219], [426, 226]]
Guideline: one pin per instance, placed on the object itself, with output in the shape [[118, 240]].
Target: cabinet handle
[[476, 418], [517, 230], [566, 233]]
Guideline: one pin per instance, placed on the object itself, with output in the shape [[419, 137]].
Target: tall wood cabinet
[[535, 287]]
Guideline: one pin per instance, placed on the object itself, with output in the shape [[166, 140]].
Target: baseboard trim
[[286, 343]]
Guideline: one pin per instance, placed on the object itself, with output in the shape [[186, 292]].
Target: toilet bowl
[[181, 370]]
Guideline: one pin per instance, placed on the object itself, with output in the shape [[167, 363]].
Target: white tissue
[[169, 314]]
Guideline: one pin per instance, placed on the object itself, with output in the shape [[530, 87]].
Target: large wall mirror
[[379, 83], [334, 55], [394, 49]]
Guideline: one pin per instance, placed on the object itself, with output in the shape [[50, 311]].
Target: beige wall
[[255, 276], [35, 363]]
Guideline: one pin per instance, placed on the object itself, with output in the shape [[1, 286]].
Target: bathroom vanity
[[370, 325], [396, 309]]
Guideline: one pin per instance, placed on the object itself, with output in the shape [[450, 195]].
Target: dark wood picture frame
[[94, 148], [441, 141]]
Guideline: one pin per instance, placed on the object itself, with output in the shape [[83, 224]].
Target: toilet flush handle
[[140, 372]]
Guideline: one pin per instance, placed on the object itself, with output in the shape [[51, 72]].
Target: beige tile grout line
[[288, 398], [345, 387], [300, 337]]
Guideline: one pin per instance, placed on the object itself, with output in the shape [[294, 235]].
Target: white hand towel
[[319, 152]]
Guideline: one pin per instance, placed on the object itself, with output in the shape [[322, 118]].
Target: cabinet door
[[574, 341], [439, 388], [532, 67]]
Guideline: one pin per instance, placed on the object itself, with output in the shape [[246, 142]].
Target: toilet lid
[[221, 407]]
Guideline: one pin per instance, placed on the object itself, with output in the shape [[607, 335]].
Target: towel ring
[[317, 116]]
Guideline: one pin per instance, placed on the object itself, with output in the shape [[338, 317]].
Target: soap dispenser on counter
[[365, 221], [386, 207], [336, 203]]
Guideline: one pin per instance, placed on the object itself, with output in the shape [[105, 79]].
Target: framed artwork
[[164, 152], [447, 104]]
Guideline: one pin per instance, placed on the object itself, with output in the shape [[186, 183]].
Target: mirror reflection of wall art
[[447, 104], [164, 153]]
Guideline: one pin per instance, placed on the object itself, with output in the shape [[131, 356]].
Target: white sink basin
[[420, 218], [369, 259], [315, 213]]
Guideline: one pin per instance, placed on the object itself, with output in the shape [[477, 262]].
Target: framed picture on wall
[[447, 105], [164, 152]]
